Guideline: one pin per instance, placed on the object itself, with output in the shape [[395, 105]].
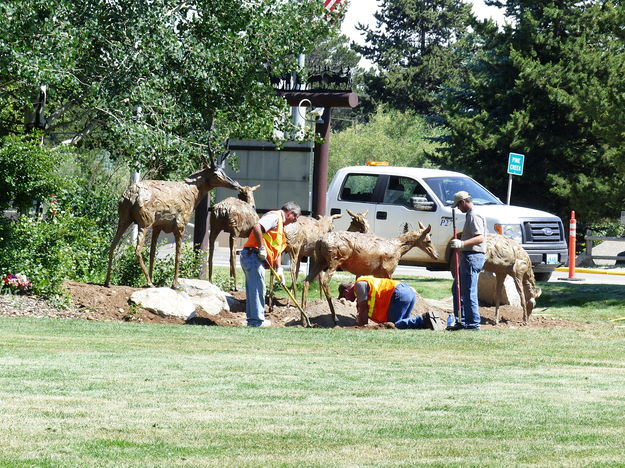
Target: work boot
[[455, 327]]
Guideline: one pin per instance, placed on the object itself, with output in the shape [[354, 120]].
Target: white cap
[[459, 196]]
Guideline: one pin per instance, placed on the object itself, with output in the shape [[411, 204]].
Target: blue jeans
[[471, 264], [254, 287], [402, 303]]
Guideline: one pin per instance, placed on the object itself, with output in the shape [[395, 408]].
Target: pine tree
[[417, 46], [549, 85]]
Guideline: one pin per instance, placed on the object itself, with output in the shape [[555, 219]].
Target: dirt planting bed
[[95, 302]]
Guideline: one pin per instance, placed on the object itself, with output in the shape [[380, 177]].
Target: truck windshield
[[445, 187]]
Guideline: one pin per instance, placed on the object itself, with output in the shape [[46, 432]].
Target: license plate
[[552, 259]]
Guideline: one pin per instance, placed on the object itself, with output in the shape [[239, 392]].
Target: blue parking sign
[[515, 164]]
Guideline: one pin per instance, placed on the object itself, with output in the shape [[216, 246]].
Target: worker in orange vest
[[264, 246], [386, 300]]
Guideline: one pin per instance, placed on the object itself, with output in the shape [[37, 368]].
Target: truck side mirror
[[422, 204]]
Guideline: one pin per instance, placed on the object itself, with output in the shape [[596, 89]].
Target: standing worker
[[386, 300], [266, 243], [472, 245]]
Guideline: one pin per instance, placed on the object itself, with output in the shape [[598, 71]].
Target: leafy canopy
[[148, 80], [400, 138]]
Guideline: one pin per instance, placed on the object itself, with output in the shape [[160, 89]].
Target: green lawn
[[79, 393]]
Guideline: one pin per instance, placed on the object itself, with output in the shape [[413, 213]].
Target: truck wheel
[[543, 276]]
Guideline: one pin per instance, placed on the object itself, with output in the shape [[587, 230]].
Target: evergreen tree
[[418, 47], [549, 85]]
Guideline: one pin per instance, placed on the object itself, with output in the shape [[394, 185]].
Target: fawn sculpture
[[237, 217], [301, 238], [505, 256]]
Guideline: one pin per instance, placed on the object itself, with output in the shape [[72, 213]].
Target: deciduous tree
[[148, 80]]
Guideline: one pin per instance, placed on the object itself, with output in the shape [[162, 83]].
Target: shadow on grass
[[564, 294]]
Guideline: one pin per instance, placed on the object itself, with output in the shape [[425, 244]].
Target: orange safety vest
[[275, 240], [380, 295]]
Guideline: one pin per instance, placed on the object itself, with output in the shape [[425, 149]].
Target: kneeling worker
[[386, 300]]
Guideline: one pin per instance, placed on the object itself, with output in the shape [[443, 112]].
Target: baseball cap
[[459, 196]]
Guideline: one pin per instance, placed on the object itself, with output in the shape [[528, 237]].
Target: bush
[[52, 249], [29, 172]]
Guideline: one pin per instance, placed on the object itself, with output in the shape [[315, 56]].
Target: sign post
[[515, 167]]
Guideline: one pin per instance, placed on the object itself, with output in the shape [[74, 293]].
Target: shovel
[[457, 257], [305, 319]]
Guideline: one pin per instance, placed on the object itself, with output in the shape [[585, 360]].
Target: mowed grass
[[79, 393]]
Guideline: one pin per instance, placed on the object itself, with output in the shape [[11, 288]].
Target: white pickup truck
[[397, 198]]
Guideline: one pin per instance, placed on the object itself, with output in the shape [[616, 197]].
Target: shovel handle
[[305, 318], [457, 257]]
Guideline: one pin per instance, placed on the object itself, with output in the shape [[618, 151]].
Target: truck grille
[[543, 231]]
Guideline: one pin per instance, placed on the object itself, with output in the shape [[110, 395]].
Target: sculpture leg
[[295, 263], [323, 286], [178, 235], [519, 287], [500, 278], [138, 250], [155, 234], [122, 225], [211, 250]]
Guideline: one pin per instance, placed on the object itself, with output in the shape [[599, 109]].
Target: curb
[[590, 270]]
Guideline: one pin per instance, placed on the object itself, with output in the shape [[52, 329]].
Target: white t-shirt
[[269, 221]]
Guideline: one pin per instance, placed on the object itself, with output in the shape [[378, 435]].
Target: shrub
[[52, 249], [28, 171]]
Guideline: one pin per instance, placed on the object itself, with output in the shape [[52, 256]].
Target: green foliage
[[549, 85], [53, 249], [149, 80], [71, 240], [418, 47], [95, 183], [28, 172], [126, 269], [332, 53], [401, 138]]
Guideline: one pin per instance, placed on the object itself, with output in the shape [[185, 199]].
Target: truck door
[[396, 215], [358, 194]]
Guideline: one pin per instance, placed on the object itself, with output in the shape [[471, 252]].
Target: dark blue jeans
[[402, 303], [471, 263]]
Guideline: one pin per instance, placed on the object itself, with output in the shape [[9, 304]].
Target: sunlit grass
[[79, 393]]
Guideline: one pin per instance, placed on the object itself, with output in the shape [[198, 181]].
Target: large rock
[[165, 302], [183, 303], [206, 295], [487, 290]]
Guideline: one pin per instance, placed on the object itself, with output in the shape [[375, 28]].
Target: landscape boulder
[[209, 297], [487, 290], [165, 302]]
